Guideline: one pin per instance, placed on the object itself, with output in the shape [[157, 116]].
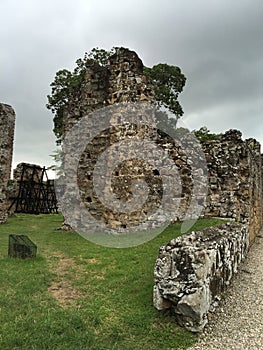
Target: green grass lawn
[[78, 295]]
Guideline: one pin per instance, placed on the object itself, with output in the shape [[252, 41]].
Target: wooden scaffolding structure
[[36, 194]]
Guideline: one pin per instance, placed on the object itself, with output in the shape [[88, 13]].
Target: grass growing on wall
[[78, 295]]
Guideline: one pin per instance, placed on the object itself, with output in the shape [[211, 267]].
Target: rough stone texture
[[122, 81], [30, 191], [12, 191], [237, 324], [199, 269], [234, 166], [7, 125], [235, 180], [193, 270], [32, 172]]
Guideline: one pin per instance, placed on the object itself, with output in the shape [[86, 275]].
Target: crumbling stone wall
[[7, 126], [31, 191], [235, 180], [30, 172], [122, 81], [234, 165], [192, 271], [255, 188]]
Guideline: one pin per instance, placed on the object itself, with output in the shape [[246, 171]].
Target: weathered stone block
[[192, 271]]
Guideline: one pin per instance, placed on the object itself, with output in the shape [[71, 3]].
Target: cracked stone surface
[[7, 126], [192, 271], [237, 323]]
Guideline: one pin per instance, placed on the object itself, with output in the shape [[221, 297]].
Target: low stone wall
[[192, 271]]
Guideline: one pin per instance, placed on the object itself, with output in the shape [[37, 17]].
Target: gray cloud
[[218, 44]]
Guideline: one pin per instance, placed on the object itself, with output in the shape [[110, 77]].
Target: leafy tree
[[62, 87], [168, 82], [58, 167], [204, 134], [66, 82]]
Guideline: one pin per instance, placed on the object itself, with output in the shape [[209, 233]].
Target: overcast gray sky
[[218, 44]]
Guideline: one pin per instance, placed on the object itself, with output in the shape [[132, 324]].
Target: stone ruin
[[7, 126], [31, 191], [193, 270], [13, 189], [234, 166], [123, 81], [39, 195], [235, 180]]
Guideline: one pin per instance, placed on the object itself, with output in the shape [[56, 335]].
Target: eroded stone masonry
[[7, 126], [235, 180], [192, 271], [234, 166], [122, 81]]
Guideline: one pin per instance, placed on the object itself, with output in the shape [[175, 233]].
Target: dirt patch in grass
[[61, 288], [92, 261], [64, 293]]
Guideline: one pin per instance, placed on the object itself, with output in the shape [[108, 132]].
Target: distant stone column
[[7, 127]]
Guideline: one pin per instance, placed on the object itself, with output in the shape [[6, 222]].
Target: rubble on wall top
[[125, 55], [232, 134], [7, 108]]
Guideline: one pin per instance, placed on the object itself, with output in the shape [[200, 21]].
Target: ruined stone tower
[[7, 125], [121, 81]]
